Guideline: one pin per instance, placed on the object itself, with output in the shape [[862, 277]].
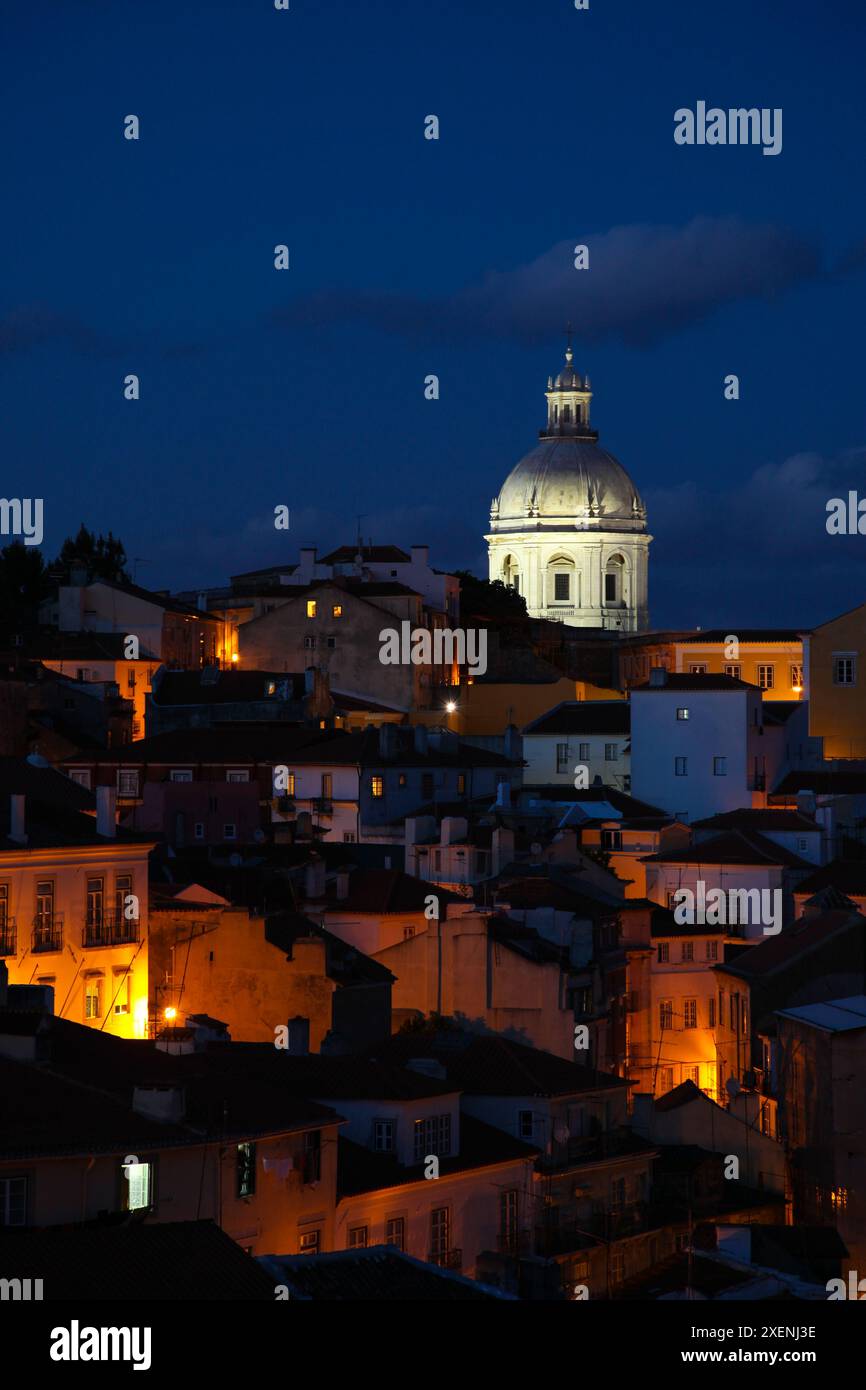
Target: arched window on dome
[[566, 414], [614, 582], [511, 573]]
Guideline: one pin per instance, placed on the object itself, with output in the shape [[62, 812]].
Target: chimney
[[421, 555], [17, 818], [106, 807], [658, 676], [167, 1103], [453, 830], [298, 1039], [421, 744], [513, 746], [387, 740]]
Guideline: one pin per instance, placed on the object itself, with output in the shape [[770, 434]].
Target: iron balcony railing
[[8, 936], [48, 932], [109, 929]]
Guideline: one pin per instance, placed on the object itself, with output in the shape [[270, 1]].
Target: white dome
[[570, 481]]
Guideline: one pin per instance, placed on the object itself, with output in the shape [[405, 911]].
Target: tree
[[24, 583], [102, 557], [490, 602]]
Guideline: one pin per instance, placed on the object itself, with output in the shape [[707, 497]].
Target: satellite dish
[[732, 1086]]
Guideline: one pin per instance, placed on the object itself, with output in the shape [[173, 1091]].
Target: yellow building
[[837, 688], [771, 658], [489, 706], [73, 909]]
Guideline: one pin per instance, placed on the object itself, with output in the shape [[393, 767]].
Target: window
[[138, 1187], [311, 608], [395, 1232], [712, 950], [290, 785], [845, 669], [681, 767], [81, 777], [682, 714], [687, 950], [44, 905], [357, 1238], [711, 1011], [122, 890], [666, 1079], [309, 1242], [312, 1155], [127, 784], [120, 983], [562, 758], [331, 643], [198, 830], [664, 952], [237, 774], [95, 902], [666, 1013], [524, 1124], [461, 784], [383, 1135], [93, 997], [610, 588], [617, 1266], [432, 1136], [734, 670], [720, 767], [797, 677], [13, 1202], [690, 1013], [561, 588], [692, 1073], [180, 775], [508, 1218], [246, 1170], [230, 831], [337, 610], [440, 1232], [348, 837], [611, 839], [327, 785], [766, 677], [377, 786], [583, 752], [4, 906], [610, 753], [309, 644], [698, 668]]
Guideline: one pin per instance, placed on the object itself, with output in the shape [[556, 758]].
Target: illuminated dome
[[568, 527]]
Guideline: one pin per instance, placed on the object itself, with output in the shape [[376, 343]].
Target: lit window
[[766, 677], [311, 608], [682, 714], [377, 786], [309, 1243], [336, 611], [698, 669], [120, 1001], [138, 1177], [93, 997], [327, 785], [797, 677]]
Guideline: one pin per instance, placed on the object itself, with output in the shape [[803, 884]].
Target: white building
[[588, 734], [568, 528], [696, 744]]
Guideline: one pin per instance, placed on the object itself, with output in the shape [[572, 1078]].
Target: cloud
[[32, 326], [645, 283]]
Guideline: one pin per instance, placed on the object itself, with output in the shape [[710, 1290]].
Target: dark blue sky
[[410, 256]]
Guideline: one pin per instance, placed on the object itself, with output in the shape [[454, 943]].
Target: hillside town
[[523, 959]]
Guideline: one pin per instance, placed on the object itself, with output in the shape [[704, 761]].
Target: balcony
[[451, 1259], [48, 932], [8, 936], [110, 929]]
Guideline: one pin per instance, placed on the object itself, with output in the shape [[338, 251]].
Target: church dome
[[574, 481]]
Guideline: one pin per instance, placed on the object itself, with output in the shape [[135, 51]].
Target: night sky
[[410, 257]]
